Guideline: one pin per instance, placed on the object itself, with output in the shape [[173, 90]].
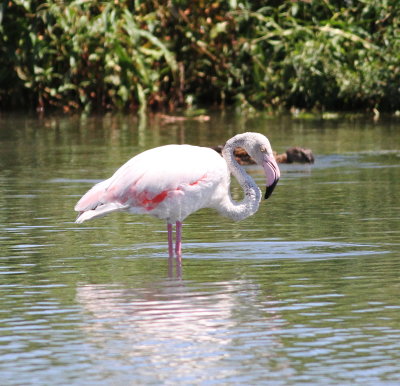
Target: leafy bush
[[167, 54]]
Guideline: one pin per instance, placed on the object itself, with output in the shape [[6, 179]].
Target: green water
[[305, 291]]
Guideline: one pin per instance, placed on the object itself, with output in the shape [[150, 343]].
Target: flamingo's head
[[259, 148]]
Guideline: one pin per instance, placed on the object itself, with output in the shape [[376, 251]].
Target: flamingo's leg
[[178, 241], [170, 241]]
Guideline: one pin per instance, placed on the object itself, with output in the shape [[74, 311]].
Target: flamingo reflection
[[178, 328]]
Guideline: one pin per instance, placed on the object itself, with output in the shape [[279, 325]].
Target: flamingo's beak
[[272, 173]]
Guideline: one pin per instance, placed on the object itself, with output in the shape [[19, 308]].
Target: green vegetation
[[132, 54]]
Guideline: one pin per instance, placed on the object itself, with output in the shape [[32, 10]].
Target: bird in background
[[171, 182]]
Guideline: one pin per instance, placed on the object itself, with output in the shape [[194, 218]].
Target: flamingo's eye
[[263, 149]]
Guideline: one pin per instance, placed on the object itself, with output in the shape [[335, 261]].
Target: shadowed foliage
[[92, 55]]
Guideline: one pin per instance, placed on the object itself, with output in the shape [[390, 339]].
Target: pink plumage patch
[[145, 199], [199, 180], [151, 203]]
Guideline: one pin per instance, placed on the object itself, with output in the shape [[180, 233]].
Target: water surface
[[305, 291]]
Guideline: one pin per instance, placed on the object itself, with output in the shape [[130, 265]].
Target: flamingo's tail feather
[[96, 203], [93, 198], [100, 211]]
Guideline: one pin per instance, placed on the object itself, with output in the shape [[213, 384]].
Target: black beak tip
[[270, 189]]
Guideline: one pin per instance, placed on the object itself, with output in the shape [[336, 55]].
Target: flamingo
[[170, 182]]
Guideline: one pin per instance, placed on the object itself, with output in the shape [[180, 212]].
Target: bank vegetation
[[165, 55]]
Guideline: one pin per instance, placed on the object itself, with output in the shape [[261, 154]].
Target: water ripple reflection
[[188, 329], [246, 330], [269, 249]]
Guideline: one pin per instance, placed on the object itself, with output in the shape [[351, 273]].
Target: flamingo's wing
[[159, 171], [148, 178]]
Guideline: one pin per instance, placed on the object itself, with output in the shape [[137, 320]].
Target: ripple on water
[[271, 249]]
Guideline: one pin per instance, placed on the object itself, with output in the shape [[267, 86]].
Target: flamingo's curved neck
[[252, 194]]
